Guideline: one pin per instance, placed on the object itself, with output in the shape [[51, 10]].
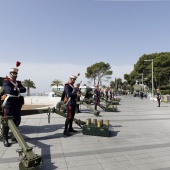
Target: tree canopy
[[161, 70], [99, 71]]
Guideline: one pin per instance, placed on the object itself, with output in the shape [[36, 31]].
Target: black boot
[[95, 107], [13, 139], [66, 132], [71, 126], [78, 109], [5, 136], [72, 130], [5, 142]]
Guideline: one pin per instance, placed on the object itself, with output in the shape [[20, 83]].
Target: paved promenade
[[140, 140]]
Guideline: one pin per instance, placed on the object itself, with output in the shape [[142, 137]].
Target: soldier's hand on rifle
[[16, 88], [79, 94]]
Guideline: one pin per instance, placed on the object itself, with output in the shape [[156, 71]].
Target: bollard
[[101, 120], [99, 124], [88, 122], [107, 123], [95, 122]]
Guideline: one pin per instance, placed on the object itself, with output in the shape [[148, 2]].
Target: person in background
[[70, 100], [96, 96], [102, 93], [77, 88], [107, 94], [12, 102], [111, 93], [158, 97]]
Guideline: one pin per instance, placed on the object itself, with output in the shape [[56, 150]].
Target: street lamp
[[152, 78]]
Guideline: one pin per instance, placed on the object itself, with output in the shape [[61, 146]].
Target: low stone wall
[[41, 100], [165, 98]]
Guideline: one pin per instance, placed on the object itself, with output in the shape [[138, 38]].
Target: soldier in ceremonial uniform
[[106, 94], [102, 92], [77, 88], [13, 101], [71, 95], [96, 96], [111, 93], [158, 94]]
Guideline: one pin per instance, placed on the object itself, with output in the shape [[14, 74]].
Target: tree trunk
[[28, 91]]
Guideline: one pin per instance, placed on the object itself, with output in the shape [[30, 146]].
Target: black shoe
[[6, 143], [79, 111], [13, 139], [66, 133], [72, 130]]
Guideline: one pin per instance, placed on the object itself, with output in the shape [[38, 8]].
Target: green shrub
[[164, 92]]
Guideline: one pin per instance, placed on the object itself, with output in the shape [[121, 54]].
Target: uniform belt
[[8, 95]]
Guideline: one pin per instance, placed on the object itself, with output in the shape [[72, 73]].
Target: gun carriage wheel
[[61, 107], [22, 167]]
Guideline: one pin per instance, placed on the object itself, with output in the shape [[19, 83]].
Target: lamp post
[[152, 78]]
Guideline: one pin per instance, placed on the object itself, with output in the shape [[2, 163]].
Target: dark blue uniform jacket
[[13, 102], [70, 94], [96, 94]]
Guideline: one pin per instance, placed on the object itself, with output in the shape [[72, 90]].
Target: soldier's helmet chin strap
[[13, 76]]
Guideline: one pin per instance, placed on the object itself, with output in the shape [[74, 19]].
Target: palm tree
[[56, 82], [28, 84]]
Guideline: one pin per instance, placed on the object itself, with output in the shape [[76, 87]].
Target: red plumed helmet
[[18, 63]]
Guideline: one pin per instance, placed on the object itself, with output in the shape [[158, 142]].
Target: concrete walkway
[[140, 140]]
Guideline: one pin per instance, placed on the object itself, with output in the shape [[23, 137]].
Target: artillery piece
[[87, 100], [113, 101], [28, 159], [109, 105]]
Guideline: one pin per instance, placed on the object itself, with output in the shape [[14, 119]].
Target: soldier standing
[[77, 89], [70, 95], [102, 92], [111, 94], [96, 96], [107, 94], [158, 97], [13, 101]]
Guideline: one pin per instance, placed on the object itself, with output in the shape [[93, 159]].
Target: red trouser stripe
[[5, 113], [70, 112]]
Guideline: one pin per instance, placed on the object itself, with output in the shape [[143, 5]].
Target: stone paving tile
[[88, 167], [12, 166], [80, 163]]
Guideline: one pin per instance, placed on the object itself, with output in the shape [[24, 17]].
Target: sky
[[54, 39]]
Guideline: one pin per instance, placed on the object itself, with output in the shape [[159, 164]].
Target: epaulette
[[6, 79], [67, 83]]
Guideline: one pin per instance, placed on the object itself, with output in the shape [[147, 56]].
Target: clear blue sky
[[47, 35]]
